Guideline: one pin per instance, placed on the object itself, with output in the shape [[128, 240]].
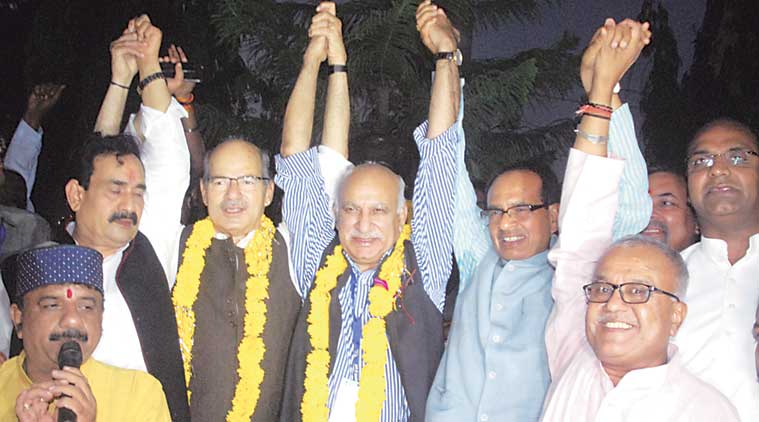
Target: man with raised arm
[[370, 335], [499, 324], [611, 359], [114, 193]]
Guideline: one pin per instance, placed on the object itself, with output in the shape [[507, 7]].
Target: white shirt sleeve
[[166, 159], [23, 153], [6, 325]]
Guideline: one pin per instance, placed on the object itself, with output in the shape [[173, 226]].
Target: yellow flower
[[250, 352], [374, 344]]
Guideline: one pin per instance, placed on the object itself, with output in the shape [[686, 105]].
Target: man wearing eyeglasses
[[716, 340], [495, 364], [626, 370]]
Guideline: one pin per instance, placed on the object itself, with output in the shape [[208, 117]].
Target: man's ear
[[269, 193], [17, 318], [553, 214], [679, 311], [74, 194], [403, 215], [203, 192]]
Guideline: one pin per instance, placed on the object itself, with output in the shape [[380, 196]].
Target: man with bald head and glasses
[[632, 308]]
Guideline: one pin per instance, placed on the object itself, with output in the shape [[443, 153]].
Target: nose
[[70, 318], [506, 221], [233, 190], [720, 167], [615, 301], [364, 221]]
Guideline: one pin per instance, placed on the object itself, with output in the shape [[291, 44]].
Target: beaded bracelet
[[150, 78]]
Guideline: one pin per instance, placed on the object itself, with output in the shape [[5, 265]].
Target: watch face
[[458, 57]]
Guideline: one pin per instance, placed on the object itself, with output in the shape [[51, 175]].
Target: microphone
[[70, 355]]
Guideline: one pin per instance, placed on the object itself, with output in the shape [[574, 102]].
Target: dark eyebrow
[[123, 183]]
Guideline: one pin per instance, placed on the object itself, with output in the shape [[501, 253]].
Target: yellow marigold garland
[[374, 344], [250, 352]]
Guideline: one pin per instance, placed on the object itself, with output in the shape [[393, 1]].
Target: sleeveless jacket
[[219, 317]]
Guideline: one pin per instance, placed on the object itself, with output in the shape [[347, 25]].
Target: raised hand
[[42, 98], [436, 30], [620, 47], [124, 53], [178, 86], [325, 25], [151, 36]]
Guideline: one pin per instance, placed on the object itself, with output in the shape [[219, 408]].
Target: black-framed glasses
[[247, 182], [519, 211], [633, 293], [734, 157]]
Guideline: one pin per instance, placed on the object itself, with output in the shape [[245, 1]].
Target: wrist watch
[[451, 56]]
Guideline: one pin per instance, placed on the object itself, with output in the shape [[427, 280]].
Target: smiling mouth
[[617, 325], [512, 239]]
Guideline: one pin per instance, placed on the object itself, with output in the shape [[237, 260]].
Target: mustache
[[233, 203], [604, 318], [122, 215], [367, 235], [71, 334], [654, 224]]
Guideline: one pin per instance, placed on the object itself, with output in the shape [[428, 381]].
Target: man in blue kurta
[[495, 365]]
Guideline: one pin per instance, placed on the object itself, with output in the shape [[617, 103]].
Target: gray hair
[[265, 160], [672, 255], [349, 171]]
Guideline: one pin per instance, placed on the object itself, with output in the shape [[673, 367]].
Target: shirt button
[[509, 267], [731, 306], [498, 307], [491, 375], [496, 338], [484, 417]]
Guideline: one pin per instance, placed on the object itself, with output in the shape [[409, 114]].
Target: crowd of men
[[625, 292]]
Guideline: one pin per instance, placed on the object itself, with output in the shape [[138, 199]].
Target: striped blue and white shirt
[[308, 216]]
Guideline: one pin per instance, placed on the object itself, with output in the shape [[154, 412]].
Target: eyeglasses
[[633, 293], [245, 183], [735, 157], [519, 212]]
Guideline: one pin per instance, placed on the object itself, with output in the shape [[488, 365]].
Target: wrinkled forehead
[[235, 156], [370, 183], [639, 263]]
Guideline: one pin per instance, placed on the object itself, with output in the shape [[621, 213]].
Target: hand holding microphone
[[75, 401]]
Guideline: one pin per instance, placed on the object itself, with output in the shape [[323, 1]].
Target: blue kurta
[[495, 365]]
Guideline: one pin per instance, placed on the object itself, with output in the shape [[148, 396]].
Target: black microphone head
[[70, 355]]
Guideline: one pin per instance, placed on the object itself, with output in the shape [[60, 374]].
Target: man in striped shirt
[[369, 213]]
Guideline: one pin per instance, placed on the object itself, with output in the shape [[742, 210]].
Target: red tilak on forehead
[[69, 293]]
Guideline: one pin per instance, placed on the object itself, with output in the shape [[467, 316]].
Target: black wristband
[[335, 68], [150, 78]]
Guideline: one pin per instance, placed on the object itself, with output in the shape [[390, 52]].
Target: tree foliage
[[390, 71]]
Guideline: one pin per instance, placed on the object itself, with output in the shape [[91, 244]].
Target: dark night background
[[702, 64]]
